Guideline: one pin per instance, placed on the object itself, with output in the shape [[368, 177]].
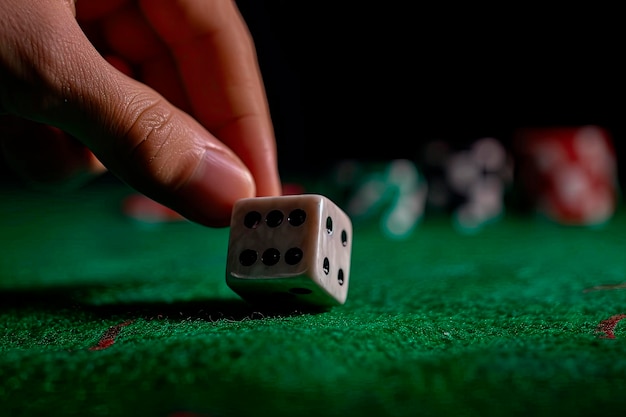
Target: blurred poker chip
[[143, 209], [568, 174], [469, 182], [392, 194]]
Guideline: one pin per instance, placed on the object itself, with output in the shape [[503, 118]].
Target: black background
[[380, 79]]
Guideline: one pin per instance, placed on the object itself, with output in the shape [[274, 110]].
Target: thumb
[[53, 75]]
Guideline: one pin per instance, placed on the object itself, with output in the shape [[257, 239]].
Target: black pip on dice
[[292, 249]]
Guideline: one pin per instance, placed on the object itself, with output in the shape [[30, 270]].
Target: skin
[[165, 94]]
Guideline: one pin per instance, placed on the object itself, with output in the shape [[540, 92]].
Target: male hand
[[165, 94]]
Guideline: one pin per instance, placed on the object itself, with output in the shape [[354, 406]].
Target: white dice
[[291, 250]]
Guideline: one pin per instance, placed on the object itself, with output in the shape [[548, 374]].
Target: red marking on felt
[[608, 326], [606, 287], [108, 337]]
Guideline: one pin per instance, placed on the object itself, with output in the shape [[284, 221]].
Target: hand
[[165, 94]]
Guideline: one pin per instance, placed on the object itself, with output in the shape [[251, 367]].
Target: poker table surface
[[104, 315]]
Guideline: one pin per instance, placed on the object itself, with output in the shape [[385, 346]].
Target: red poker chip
[[569, 173], [144, 209], [292, 188]]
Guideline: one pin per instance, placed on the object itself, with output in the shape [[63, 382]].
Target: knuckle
[[149, 125], [157, 143]]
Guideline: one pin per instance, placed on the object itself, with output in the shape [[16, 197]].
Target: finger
[[90, 10], [217, 62], [128, 34], [58, 78], [46, 157]]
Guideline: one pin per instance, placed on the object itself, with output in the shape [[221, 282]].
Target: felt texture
[[101, 315]]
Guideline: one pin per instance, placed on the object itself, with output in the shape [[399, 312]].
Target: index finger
[[217, 62]]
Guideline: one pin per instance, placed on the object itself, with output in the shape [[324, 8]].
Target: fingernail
[[214, 187]]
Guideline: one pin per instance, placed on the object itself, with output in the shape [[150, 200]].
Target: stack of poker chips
[[568, 174], [565, 174], [469, 182], [393, 193]]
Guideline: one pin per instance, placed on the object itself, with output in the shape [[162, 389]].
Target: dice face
[[292, 249]]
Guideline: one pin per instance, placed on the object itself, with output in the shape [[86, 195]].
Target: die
[[289, 250]]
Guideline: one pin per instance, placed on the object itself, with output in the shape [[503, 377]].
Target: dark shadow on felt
[[210, 309]]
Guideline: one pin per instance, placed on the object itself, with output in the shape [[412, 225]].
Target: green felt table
[[105, 316]]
